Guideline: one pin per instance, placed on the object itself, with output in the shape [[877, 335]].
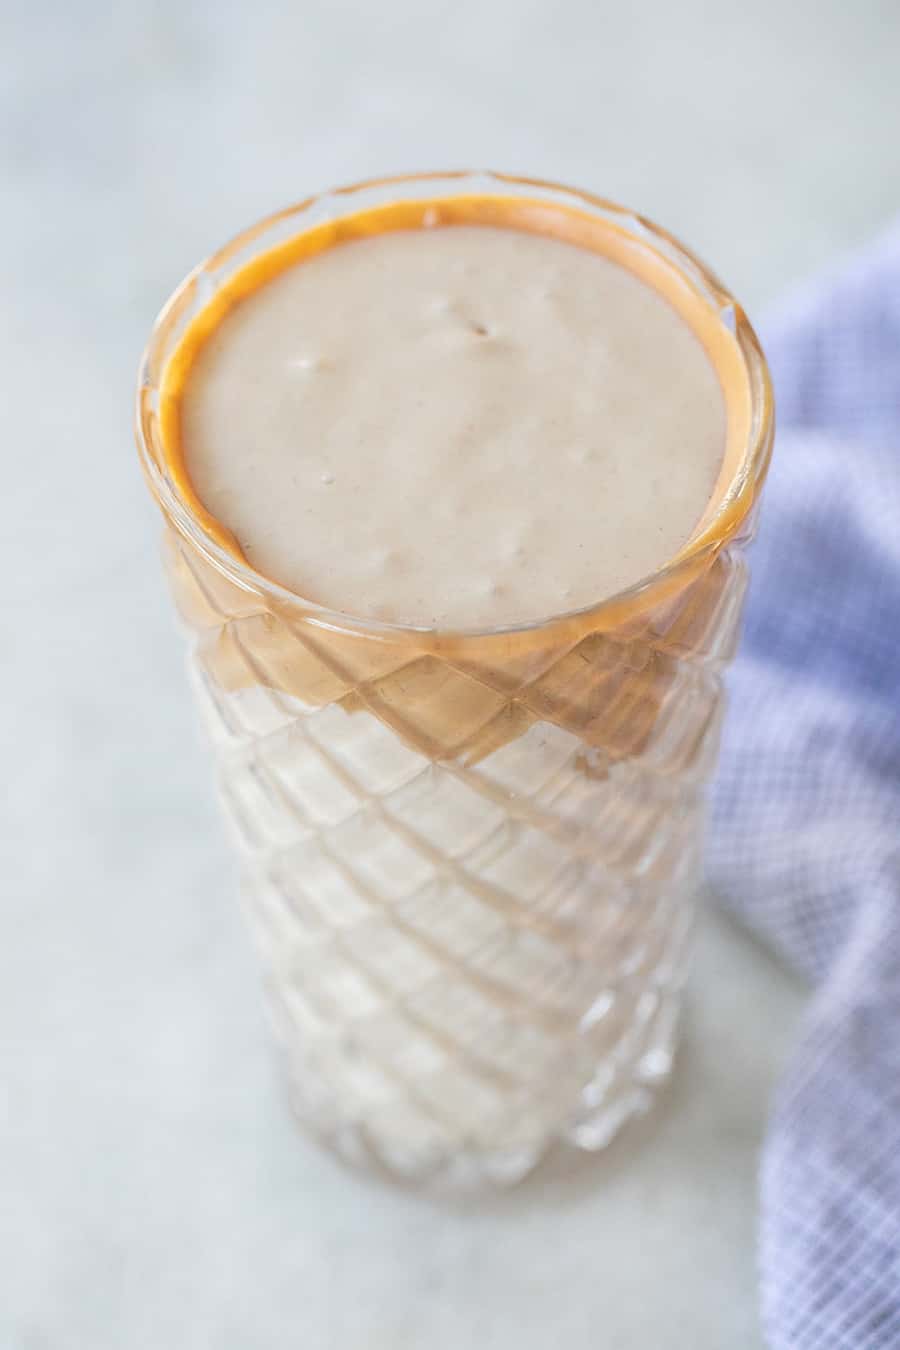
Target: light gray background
[[153, 1192]]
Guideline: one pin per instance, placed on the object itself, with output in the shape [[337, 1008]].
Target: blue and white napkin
[[805, 836]]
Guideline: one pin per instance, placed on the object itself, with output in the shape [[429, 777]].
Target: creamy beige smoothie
[[417, 442], [454, 427]]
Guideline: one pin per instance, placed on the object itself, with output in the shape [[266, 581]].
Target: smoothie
[[458, 473], [454, 427]]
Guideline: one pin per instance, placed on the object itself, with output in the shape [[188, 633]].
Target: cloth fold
[[805, 835]]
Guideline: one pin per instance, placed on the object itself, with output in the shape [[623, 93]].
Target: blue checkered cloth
[[805, 837]]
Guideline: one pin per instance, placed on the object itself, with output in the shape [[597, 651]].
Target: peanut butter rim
[[426, 201]]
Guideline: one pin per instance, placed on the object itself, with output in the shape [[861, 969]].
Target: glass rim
[[199, 286]]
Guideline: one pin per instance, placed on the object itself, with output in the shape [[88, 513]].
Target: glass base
[[615, 1096]]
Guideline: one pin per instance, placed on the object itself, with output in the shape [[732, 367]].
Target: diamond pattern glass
[[469, 860]]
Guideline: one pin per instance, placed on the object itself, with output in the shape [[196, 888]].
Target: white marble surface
[[154, 1192]]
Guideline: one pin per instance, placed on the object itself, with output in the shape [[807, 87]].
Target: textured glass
[[470, 860]]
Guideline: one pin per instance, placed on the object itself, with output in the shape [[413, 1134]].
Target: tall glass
[[470, 857]]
